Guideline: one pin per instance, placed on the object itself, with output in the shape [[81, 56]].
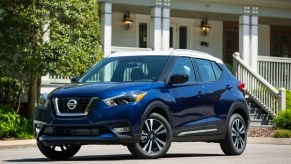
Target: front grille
[[74, 106], [82, 103], [76, 131]]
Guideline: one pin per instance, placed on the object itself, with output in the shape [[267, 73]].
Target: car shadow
[[116, 157]]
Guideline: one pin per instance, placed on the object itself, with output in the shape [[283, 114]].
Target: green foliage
[[229, 66], [40, 36], [14, 125], [58, 36], [288, 99], [282, 134], [11, 91], [283, 120]]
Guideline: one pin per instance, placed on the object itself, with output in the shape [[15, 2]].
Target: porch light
[[127, 21], [205, 27]]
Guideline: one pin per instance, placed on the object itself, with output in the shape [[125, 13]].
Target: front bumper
[[104, 133]]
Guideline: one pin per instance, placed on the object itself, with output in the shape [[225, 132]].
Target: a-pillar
[[244, 35], [106, 25], [156, 26], [254, 38], [166, 25]]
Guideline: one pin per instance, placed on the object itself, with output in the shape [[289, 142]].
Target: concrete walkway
[[10, 144]]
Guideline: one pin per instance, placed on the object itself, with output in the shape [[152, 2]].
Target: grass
[[282, 133]]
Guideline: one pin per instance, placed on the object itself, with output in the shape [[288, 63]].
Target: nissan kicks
[[145, 101]]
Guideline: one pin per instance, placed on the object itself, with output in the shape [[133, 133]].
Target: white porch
[[164, 24]]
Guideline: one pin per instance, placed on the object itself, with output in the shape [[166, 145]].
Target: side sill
[[202, 138]]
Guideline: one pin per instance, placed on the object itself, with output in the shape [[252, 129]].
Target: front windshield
[[126, 69]]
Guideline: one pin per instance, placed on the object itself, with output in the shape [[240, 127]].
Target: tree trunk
[[32, 95]]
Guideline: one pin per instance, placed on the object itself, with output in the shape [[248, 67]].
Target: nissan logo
[[72, 104]]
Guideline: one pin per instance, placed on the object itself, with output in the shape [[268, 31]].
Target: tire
[[61, 152], [236, 137], [156, 138]]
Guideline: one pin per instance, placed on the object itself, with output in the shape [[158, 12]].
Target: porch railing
[[258, 89], [275, 70], [55, 79]]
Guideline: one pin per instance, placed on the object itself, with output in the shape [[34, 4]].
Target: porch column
[[254, 38], [106, 26], [156, 26], [244, 35], [166, 25]]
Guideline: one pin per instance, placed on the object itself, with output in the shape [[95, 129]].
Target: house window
[[280, 41], [183, 37], [143, 36], [178, 36], [171, 37]]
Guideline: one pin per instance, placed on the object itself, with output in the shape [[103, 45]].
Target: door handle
[[200, 94], [228, 87]]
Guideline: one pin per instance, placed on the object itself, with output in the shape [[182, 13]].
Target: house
[[259, 30]]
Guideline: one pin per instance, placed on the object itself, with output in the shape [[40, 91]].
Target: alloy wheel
[[238, 134], [154, 136]]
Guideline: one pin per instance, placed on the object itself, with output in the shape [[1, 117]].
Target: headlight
[[131, 97], [43, 100]]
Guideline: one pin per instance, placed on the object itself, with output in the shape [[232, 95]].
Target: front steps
[[258, 117]]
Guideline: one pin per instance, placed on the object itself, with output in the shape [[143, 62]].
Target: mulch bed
[[261, 132]]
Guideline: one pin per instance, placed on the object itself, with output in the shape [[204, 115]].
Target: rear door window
[[209, 70]]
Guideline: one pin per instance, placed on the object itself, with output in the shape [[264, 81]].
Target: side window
[[206, 70], [183, 65], [217, 70]]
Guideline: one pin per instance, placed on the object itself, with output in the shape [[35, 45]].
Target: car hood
[[102, 90]]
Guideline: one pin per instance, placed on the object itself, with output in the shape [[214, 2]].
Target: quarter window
[[217, 70], [184, 66]]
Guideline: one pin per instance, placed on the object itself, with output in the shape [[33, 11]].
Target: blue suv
[[145, 101]]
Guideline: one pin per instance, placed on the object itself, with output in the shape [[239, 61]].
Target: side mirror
[[179, 78], [75, 80]]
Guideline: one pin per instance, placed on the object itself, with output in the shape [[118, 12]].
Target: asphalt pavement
[[179, 153]]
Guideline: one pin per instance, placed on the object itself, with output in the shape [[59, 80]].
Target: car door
[[187, 115], [216, 84]]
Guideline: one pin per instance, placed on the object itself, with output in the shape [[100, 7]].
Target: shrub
[[230, 67], [11, 91], [14, 125], [288, 99], [282, 134], [283, 120]]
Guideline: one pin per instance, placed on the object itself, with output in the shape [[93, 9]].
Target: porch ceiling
[[283, 4], [136, 9]]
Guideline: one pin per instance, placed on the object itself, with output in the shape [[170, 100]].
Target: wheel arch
[[240, 107], [156, 107]]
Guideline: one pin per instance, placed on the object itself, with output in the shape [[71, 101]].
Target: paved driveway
[[178, 154]]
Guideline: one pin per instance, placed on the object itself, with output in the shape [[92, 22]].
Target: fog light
[[122, 130]]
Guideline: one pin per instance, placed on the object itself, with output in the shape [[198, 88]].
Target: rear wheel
[[236, 137], [155, 140], [61, 152]]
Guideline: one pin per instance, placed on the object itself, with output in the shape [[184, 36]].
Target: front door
[[179, 36], [189, 117], [230, 41]]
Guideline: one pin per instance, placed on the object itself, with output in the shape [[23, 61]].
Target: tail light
[[241, 87]]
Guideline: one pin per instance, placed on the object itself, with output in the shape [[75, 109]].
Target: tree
[[56, 36]]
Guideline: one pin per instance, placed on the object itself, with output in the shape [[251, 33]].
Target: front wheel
[[155, 140], [236, 137], [61, 152]]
